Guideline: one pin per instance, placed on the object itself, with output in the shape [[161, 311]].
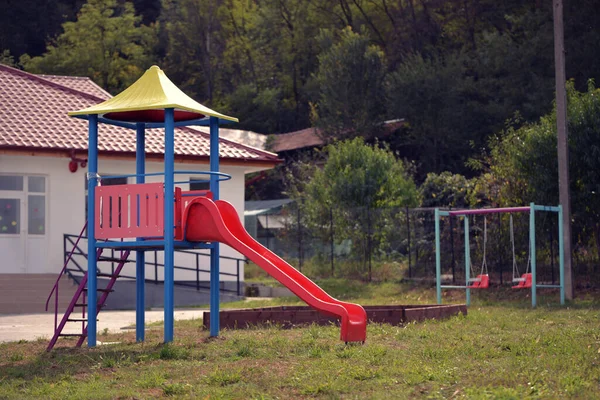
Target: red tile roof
[[33, 116], [310, 137], [297, 140], [79, 83]]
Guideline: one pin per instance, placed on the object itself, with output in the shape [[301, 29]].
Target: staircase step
[[82, 302], [115, 259], [107, 275], [87, 305], [78, 319]]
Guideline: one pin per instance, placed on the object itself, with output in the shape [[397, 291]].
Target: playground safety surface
[[289, 316]]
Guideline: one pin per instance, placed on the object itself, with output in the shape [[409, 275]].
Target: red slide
[[208, 221]]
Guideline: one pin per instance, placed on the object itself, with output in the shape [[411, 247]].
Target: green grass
[[503, 349]]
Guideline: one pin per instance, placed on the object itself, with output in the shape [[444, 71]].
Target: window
[[108, 181], [36, 184], [10, 216], [27, 207], [36, 210], [199, 184], [8, 182]]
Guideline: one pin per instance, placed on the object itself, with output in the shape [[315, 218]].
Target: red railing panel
[[118, 214]]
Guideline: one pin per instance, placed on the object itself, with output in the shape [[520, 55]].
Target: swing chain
[[516, 273], [484, 268]]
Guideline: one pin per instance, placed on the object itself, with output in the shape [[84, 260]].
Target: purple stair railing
[[54, 290], [105, 291], [81, 293]]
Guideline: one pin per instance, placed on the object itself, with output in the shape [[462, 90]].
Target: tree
[[350, 79], [106, 43], [513, 69], [7, 59], [26, 25], [523, 162], [432, 95], [294, 55], [356, 182], [194, 45], [445, 190]]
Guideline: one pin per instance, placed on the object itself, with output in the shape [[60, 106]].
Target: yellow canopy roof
[[153, 91]]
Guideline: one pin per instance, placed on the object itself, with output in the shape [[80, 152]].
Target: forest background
[[472, 80], [455, 70]]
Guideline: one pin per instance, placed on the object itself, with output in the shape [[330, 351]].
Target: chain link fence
[[399, 243]]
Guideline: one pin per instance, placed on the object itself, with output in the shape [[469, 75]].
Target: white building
[[42, 176]]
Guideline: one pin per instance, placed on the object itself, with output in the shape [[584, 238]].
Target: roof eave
[[66, 153]]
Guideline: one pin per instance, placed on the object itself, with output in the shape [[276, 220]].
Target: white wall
[[66, 199]]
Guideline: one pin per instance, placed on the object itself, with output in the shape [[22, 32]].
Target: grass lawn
[[502, 349]]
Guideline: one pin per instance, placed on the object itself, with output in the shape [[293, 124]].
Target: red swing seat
[[524, 282], [481, 282]]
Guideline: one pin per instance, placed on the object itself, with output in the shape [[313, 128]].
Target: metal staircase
[[79, 300], [75, 267]]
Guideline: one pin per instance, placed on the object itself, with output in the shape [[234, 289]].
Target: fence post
[[299, 237], [409, 250], [452, 244], [417, 243], [552, 253], [331, 233], [369, 241]]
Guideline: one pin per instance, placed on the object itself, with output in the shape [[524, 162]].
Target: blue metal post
[[561, 254], [92, 263], [467, 260], [533, 255], [140, 258], [438, 262], [214, 251], [169, 222]]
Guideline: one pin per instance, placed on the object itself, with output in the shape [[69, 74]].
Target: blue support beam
[[140, 257], [438, 262], [533, 255], [169, 223], [467, 260], [92, 263], [546, 208], [214, 252]]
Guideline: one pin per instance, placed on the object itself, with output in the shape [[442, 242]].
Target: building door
[[23, 240], [12, 225], [36, 239]]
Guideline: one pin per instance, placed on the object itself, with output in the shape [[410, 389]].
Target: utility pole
[[563, 141]]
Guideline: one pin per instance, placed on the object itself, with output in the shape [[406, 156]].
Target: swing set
[[481, 280]]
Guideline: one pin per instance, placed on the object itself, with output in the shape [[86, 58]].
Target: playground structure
[[140, 217], [481, 281]]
